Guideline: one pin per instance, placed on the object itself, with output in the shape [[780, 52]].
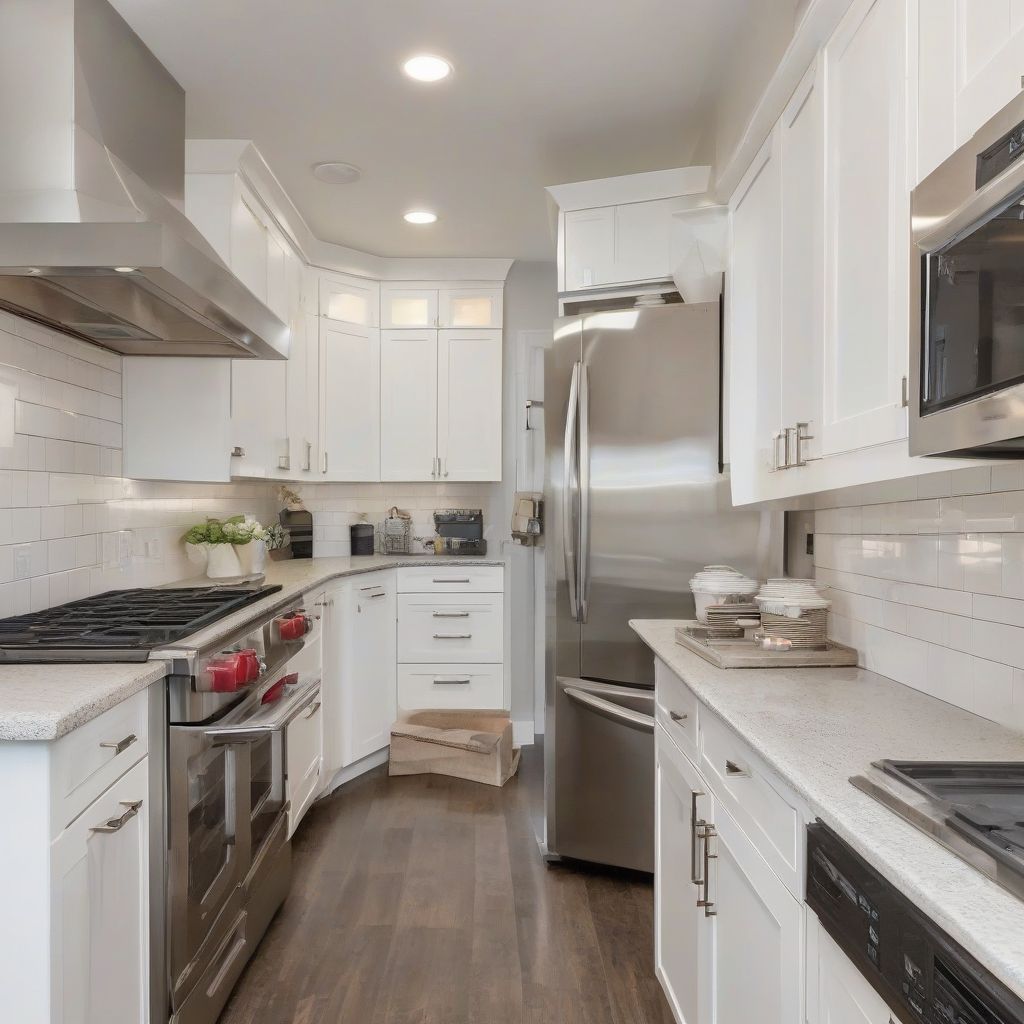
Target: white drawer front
[[450, 686], [676, 708], [303, 758], [450, 628], [774, 820], [92, 757], [451, 579]]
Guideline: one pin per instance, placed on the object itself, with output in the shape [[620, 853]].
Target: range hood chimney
[[93, 238]]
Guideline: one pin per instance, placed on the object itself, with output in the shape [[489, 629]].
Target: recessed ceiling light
[[420, 217], [125, 270], [336, 172], [425, 67]]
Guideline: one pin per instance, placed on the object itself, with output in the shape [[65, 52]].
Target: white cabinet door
[[589, 240], [177, 418], [470, 307], [643, 240], [837, 993], [249, 245], [350, 300], [989, 42], [801, 167], [866, 222], [753, 287], [277, 276], [350, 410], [757, 934], [304, 748], [469, 404], [408, 405], [99, 916], [369, 683], [681, 931], [259, 415], [408, 307]]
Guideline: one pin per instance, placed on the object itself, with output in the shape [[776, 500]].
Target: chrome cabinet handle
[[325, 462], [449, 581], [735, 770], [445, 465], [451, 615], [677, 717], [313, 709], [777, 462], [707, 833], [309, 456], [443, 679], [801, 437], [120, 745], [116, 824], [694, 877], [453, 636]]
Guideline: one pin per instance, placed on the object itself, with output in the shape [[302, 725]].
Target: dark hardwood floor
[[424, 900]]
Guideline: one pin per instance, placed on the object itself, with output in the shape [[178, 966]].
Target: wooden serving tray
[[743, 653]]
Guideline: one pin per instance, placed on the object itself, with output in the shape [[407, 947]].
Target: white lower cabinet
[[304, 749], [99, 912], [837, 993], [450, 686]]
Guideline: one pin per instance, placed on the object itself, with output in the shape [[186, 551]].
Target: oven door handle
[[258, 728]]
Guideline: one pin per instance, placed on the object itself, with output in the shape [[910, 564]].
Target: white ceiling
[[544, 92]]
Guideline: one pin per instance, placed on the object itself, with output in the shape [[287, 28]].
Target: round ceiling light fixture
[[337, 172], [420, 217], [426, 67], [125, 270]]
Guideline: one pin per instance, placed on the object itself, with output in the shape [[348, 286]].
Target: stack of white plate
[[794, 610], [721, 618], [720, 584]]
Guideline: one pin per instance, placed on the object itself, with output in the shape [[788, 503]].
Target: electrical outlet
[[154, 551], [124, 547], [22, 562]]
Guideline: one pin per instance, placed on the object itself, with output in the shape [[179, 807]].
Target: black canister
[[299, 524], [362, 538]]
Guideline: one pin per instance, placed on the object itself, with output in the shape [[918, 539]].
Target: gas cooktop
[[974, 808], [120, 625]]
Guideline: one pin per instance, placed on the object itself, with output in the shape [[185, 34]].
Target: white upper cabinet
[[351, 300], [470, 307], [408, 405], [350, 409], [867, 217], [249, 239], [469, 404], [589, 241], [408, 307]]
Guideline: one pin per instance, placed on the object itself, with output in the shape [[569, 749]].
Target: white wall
[[70, 524], [927, 582]]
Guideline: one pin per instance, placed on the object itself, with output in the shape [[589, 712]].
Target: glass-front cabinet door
[[470, 307], [349, 300], [408, 307]]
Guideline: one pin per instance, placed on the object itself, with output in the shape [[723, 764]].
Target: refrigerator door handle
[[613, 712], [583, 458], [570, 481]]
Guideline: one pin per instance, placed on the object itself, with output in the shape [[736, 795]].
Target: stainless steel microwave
[[966, 393]]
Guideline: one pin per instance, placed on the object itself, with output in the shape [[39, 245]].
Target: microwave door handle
[[250, 731], [583, 460], [570, 528]]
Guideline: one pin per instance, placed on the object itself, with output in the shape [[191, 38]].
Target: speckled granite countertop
[[818, 726], [43, 702]]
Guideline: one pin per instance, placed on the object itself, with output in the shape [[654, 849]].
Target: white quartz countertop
[[43, 702], [818, 726]]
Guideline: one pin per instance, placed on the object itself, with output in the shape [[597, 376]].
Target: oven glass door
[[974, 311], [266, 787]]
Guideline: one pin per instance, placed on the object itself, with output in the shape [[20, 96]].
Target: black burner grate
[[121, 625]]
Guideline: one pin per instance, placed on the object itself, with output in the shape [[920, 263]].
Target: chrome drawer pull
[[116, 824], [453, 636], [451, 615], [443, 679], [120, 746], [313, 709], [694, 822], [451, 581], [677, 717], [707, 833], [733, 769]]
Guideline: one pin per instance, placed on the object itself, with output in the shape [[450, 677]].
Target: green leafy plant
[[236, 530]]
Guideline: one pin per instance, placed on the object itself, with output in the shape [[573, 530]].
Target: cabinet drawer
[[90, 758], [303, 758], [450, 686], [450, 628], [676, 708], [773, 820], [453, 579]]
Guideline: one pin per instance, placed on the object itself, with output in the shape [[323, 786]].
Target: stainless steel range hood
[[93, 237]]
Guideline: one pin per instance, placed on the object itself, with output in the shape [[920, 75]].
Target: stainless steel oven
[[229, 860], [966, 393]]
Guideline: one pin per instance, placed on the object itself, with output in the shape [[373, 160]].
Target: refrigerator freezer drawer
[[450, 686], [462, 628]]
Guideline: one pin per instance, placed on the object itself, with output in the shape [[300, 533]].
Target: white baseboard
[[360, 767], [522, 732]]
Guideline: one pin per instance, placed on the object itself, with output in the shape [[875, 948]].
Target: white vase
[[198, 554], [223, 561], [252, 557]]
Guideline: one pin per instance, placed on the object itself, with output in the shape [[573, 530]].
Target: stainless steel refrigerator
[[636, 503]]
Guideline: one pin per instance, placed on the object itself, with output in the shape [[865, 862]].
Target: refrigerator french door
[[636, 503]]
